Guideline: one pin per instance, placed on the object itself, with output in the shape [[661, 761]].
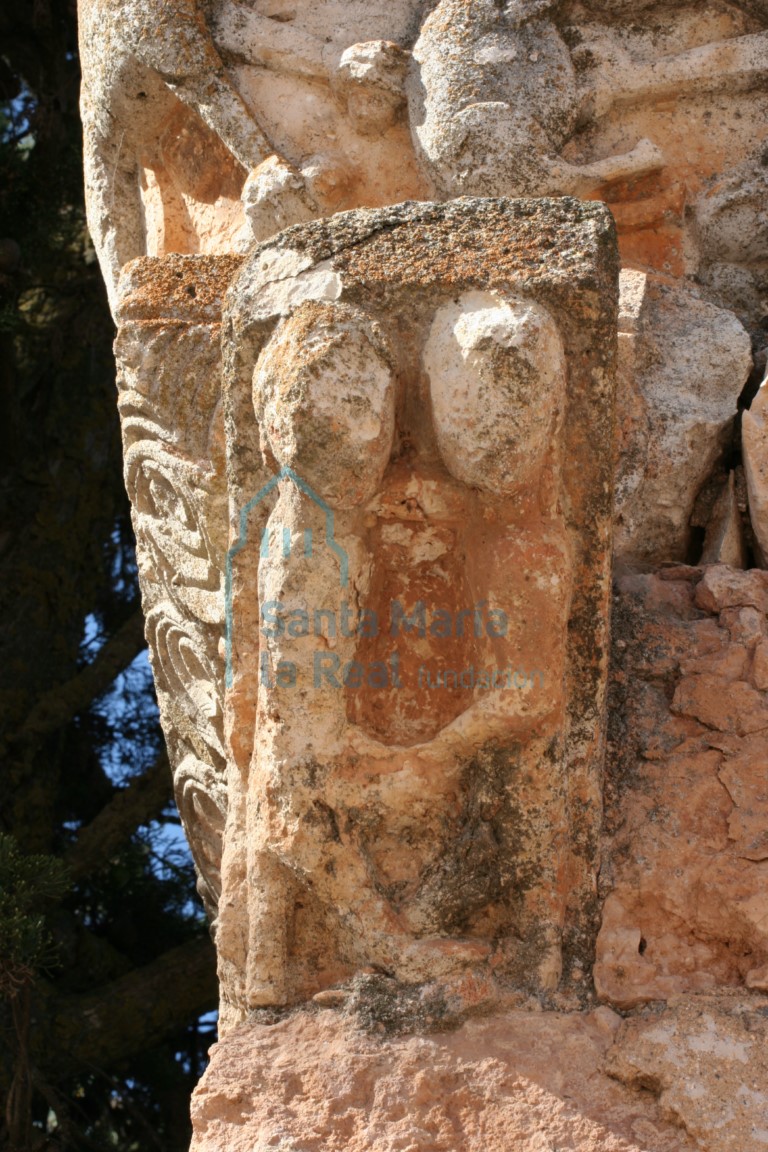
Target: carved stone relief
[[377, 482], [640, 104], [403, 441], [658, 108], [170, 407]]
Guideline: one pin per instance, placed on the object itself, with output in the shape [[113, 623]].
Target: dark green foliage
[[105, 962], [27, 885]]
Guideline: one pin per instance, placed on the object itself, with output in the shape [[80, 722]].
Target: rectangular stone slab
[[399, 265]]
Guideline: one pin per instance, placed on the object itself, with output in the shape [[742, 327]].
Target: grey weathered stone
[[755, 443], [683, 365]]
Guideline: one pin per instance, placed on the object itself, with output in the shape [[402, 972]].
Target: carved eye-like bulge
[[324, 395], [496, 369]]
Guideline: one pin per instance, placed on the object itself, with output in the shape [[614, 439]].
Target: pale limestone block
[[754, 430], [683, 365], [706, 1057]]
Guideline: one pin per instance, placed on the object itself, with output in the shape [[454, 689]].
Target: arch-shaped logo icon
[[242, 541]]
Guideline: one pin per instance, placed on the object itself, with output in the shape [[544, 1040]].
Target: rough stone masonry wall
[[528, 915]]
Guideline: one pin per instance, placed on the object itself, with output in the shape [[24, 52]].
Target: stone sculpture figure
[[495, 95], [402, 728], [493, 100], [416, 375], [137, 57], [372, 473], [325, 393], [181, 103]]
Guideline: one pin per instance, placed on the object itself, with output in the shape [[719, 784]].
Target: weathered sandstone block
[[682, 366], [424, 383], [376, 480], [755, 440], [686, 907], [415, 592], [521, 1080]]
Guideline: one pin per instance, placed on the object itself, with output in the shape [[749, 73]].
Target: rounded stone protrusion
[[323, 390], [497, 377]]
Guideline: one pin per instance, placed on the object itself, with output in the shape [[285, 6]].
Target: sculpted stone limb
[[176, 43], [739, 64], [136, 57], [493, 100]]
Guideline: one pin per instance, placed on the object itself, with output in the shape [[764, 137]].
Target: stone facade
[[388, 431]]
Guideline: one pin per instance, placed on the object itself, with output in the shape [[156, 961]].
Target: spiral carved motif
[[171, 497], [188, 677], [201, 798]]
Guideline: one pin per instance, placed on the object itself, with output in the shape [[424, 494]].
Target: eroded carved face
[[497, 378], [323, 390], [324, 394]]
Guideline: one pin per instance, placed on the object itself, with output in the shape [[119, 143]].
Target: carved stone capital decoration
[[393, 402], [411, 668]]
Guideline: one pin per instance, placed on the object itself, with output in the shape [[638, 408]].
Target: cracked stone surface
[[448, 915]]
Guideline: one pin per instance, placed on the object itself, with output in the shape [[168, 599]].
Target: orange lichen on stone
[[687, 909], [185, 288]]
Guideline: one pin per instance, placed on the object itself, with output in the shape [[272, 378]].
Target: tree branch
[[142, 799], [60, 704], [134, 1013]]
